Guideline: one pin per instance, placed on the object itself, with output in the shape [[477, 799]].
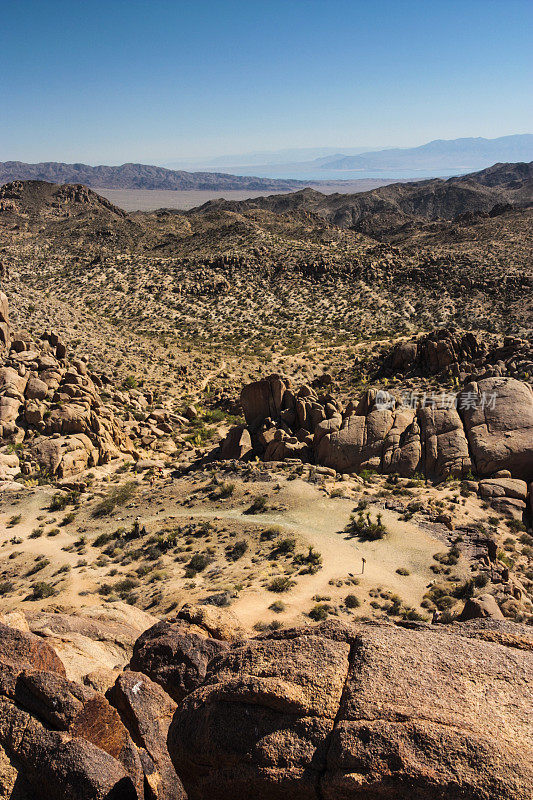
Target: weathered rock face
[[146, 711], [66, 740], [262, 399], [480, 607], [4, 323], [175, 655], [430, 355], [97, 638], [444, 443], [237, 443], [497, 415], [463, 355], [391, 712]]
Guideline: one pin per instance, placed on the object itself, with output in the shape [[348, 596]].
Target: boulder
[[498, 417], [35, 389], [95, 638], [175, 656], [444, 444], [23, 650], [262, 399], [392, 712], [479, 607], [146, 711], [237, 443], [64, 456], [503, 487], [218, 623]]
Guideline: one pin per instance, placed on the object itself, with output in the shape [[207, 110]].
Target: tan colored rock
[[36, 389], [95, 638], [444, 444], [220, 623], [263, 399], [500, 437], [64, 456], [363, 712], [503, 487], [479, 607]]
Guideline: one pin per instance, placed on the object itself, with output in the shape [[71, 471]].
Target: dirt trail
[[320, 522], [308, 513]]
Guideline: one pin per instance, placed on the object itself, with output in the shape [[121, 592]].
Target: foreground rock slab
[[369, 711]]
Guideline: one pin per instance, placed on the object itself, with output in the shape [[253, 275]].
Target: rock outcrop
[[498, 421], [486, 428], [464, 356], [53, 407], [392, 712]]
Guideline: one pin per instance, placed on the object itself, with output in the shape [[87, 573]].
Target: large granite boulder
[[175, 655], [262, 399], [367, 712], [444, 444], [146, 711], [64, 740], [498, 417]]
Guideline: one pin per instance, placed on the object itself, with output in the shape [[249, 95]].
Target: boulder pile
[[394, 711], [464, 356], [486, 428], [53, 407]]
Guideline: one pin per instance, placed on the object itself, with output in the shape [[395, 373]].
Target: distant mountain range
[[137, 176], [439, 158], [454, 154]]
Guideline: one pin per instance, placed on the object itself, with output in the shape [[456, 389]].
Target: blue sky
[[154, 81]]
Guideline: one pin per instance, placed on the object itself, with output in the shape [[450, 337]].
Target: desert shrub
[[221, 599], [445, 602], [6, 587], [223, 491], [312, 560], [363, 526], [40, 564], [199, 562], [278, 606], [280, 584], [351, 601], [270, 533], [238, 550], [515, 525], [117, 496], [320, 612], [286, 545], [41, 590], [60, 500], [14, 520], [413, 615], [258, 506], [402, 571]]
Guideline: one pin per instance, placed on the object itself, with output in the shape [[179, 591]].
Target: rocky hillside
[[391, 212], [135, 176]]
